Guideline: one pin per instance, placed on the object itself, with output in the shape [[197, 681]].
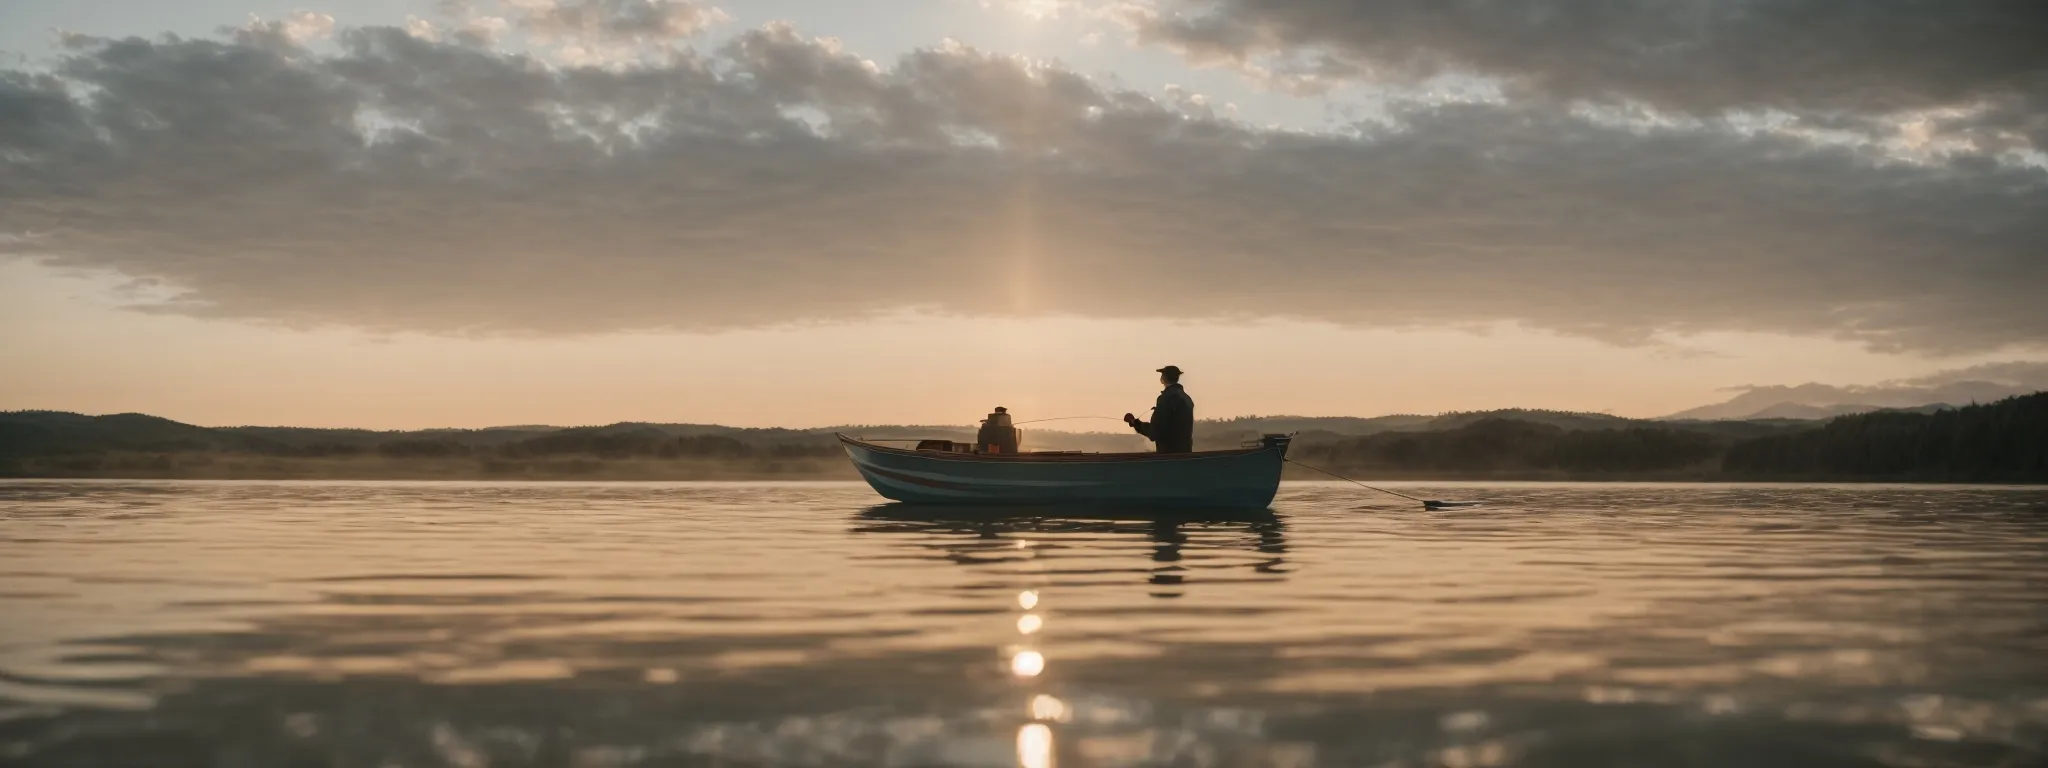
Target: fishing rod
[[1015, 424], [1022, 423], [1426, 503], [1065, 418]]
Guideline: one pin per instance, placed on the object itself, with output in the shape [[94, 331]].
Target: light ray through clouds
[[557, 168]]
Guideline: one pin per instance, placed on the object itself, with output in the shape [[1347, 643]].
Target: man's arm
[[1141, 427]]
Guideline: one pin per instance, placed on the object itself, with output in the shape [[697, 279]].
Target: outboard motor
[[997, 435]]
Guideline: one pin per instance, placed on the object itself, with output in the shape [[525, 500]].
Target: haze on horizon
[[403, 214]]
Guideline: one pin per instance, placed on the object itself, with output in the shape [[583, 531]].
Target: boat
[[943, 472]]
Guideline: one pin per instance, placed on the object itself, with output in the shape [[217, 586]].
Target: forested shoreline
[[2000, 442]]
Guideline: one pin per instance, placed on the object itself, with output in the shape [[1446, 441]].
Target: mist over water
[[474, 624]]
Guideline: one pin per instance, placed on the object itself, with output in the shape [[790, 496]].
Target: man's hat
[[1173, 369]]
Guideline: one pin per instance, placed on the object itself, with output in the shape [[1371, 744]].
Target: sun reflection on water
[[1034, 746], [1027, 664], [1034, 739], [1044, 707]]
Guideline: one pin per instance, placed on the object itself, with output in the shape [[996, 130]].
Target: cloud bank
[[394, 180], [1976, 70]]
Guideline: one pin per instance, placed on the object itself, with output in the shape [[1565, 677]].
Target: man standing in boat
[[1172, 429]]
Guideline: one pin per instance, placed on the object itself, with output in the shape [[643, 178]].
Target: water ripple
[[222, 623]]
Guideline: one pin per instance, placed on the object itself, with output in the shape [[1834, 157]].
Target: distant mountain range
[[1946, 389]]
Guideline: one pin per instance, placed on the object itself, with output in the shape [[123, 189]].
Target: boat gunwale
[[1058, 458]]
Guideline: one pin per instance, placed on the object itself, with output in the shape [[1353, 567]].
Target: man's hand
[[1129, 419]]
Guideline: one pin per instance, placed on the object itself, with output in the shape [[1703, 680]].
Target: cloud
[[579, 31], [1820, 59], [2021, 375], [614, 21], [298, 26], [407, 184]]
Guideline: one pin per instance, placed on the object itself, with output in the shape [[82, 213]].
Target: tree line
[[649, 444], [1506, 447], [2005, 441], [609, 447]]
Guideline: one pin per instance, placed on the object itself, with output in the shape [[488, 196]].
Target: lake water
[[391, 624]]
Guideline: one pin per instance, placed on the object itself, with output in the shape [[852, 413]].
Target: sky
[[424, 213]]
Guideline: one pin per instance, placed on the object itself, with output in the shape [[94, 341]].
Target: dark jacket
[[1172, 428]]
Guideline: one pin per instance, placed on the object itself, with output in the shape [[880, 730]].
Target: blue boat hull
[[1245, 479]]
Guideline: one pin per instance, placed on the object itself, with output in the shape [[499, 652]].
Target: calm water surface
[[374, 624]]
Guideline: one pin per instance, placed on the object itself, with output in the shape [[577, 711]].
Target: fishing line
[[1426, 503]]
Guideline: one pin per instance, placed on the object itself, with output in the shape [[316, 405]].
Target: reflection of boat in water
[[1237, 479], [1055, 518], [984, 534]]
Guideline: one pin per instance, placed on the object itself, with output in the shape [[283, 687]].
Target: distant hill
[[1978, 384], [57, 432], [1809, 412], [1999, 441], [46, 433], [1566, 420], [1802, 412], [2003, 441], [1343, 425], [60, 432], [1249, 428]]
